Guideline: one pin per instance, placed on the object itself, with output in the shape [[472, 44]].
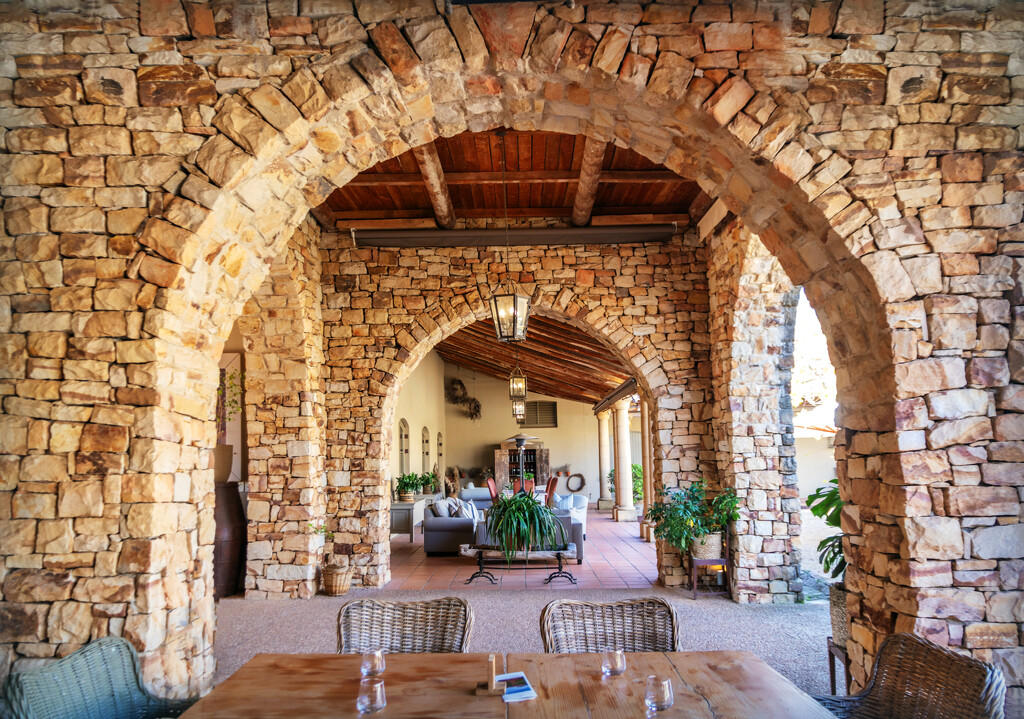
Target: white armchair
[[573, 505]]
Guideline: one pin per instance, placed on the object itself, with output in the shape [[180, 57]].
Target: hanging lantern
[[519, 409], [517, 384], [510, 311]]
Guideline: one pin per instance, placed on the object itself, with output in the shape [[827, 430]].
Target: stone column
[[645, 459], [624, 509], [604, 464]]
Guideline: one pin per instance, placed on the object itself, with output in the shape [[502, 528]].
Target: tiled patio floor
[[615, 558]]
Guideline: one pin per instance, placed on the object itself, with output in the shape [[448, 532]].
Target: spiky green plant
[[520, 522]]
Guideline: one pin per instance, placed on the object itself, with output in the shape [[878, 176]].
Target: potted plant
[[692, 522], [337, 579], [407, 484], [826, 503], [428, 480], [521, 523]]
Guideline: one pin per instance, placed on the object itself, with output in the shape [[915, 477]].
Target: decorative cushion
[[563, 501], [440, 509], [465, 510]]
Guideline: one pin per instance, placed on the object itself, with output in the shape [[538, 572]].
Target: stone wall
[[283, 333], [753, 310], [160, 154], [384, 309]]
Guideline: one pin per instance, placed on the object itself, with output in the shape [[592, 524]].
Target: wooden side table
[[835, 652]]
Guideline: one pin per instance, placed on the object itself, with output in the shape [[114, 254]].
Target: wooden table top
[[322, 686], [707, 685]]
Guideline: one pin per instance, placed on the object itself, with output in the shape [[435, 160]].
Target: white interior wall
[[472, 443], [421, 404]]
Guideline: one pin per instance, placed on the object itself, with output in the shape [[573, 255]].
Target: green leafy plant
[[638, 482], [520, 522], [229, 392], [685, 516], [428, 480], [826, 503], [408, 482], [328, 535]]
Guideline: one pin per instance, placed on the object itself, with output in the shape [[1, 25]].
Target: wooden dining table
[[707, 685]]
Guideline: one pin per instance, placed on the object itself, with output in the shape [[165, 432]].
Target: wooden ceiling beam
[[563, 349], [590, 173], [531, 177], [437, 189], [408, 223], [560, 387]]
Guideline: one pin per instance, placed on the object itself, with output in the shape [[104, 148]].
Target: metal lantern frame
[[519, 409], [510, 306], [517, 383]]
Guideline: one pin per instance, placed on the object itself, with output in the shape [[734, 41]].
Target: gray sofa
[[479, 496], [443, 535], [573, 533]]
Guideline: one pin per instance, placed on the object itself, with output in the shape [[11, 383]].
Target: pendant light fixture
[[517, 390], [510, 306]]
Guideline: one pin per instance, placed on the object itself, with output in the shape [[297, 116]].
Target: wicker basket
[[336, 580], [710, 549], [837, 608], [406, 496]]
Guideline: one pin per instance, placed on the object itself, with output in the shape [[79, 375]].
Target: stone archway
[[357, 494], [159, 252]]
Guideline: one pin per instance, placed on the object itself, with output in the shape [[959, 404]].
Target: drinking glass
[[659, 693], [373, 663], [613, 663], [371, 695]]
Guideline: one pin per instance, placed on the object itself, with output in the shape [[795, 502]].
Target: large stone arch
[[908, 261]]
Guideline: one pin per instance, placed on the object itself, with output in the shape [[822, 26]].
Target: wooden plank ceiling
[[548, 175], [558, 359]]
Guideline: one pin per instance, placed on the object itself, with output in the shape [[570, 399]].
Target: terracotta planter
[[837, 608], [710, 549]]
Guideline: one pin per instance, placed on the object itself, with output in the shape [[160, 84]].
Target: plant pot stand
[[490, 556], [713, 562], [837, 652]]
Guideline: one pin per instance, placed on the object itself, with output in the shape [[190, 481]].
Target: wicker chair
[[916, 679], [634, 625], [435, 626], [99, 681]]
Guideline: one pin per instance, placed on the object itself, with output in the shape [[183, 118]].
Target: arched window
[[426, 451], [403, 447], [440, 455]]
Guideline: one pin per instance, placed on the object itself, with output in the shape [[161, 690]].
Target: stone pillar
[[604, 464], [624, 509], [645, 459]]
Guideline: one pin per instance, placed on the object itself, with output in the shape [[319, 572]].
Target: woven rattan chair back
[[99, 681], [634, 625], [916, 679], [435, 626]]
